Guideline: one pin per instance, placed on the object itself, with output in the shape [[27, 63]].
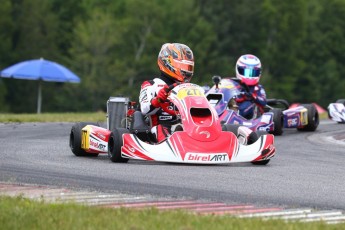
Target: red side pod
[[101, 133], [133, 149]]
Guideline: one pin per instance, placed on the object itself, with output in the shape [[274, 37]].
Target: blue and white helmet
[[248, 69]]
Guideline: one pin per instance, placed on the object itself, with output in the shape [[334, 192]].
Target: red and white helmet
[[248, 69], [176, 61]]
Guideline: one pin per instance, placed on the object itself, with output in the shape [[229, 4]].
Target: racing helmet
[[176, 61], [248, 69]]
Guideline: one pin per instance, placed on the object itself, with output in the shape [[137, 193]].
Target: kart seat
[[138, 124]]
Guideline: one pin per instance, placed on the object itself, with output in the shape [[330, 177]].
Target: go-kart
[[336, 111], [275, 116], [198, 136]]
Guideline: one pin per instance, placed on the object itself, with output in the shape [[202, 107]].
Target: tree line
[[113, 46]]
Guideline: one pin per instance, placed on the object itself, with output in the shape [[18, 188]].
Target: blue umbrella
[[41, 70]]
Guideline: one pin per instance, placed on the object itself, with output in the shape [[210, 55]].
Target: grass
[[22, 213], [65, 117], [52, 117]]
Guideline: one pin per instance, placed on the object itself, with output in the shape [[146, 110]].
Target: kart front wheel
[[278, 121], [114, 145], [75, 139], [264, 162], [313, 118]]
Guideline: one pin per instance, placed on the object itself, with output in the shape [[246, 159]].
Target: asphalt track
[[307, 171]]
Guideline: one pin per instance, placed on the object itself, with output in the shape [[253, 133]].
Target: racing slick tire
[[114, 145], [313, 118], [278, 121], [263, 162], [75, 139]]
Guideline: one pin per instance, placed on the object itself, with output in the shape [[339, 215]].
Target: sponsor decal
[[292, 122], [164, 118], [100, 135], [97, 145], [203, 157], [182, 93], [264, 128], [143, 95], [130, 148], [266, 118]]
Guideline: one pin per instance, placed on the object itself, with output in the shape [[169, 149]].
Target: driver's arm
[[147, 93], [259, 96]]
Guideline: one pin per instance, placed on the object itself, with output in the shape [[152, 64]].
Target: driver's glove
[[161, 96]]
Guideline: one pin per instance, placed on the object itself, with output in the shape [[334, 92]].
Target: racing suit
[[251, 98], [160, 121]]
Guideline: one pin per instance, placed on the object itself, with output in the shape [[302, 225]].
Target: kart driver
[[253, 95], [176, 64]]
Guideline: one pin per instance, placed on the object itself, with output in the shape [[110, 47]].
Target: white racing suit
[[160, 121]]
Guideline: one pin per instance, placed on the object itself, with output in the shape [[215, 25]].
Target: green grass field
[[53, 117], [22, 213]]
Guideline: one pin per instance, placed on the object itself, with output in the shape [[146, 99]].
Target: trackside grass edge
[[62, 117], [23, 213], [53, 117]]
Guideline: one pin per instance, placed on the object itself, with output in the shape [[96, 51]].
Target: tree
[[281, 31], [33, 36], [91, 52], [325, 50], [6, 27]]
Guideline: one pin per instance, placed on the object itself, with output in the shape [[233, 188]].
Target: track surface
[[308, 170]]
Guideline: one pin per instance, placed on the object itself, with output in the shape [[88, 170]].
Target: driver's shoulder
[[159, 82]]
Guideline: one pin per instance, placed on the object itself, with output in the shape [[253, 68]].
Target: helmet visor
[[187, 76], [186, 68], [249, 72]]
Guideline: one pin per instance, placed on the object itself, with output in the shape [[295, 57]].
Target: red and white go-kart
[[198, 137]]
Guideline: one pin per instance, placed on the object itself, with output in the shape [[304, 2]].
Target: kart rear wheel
[[75, 139], [278, 121], [313, 118], [114, 145]]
